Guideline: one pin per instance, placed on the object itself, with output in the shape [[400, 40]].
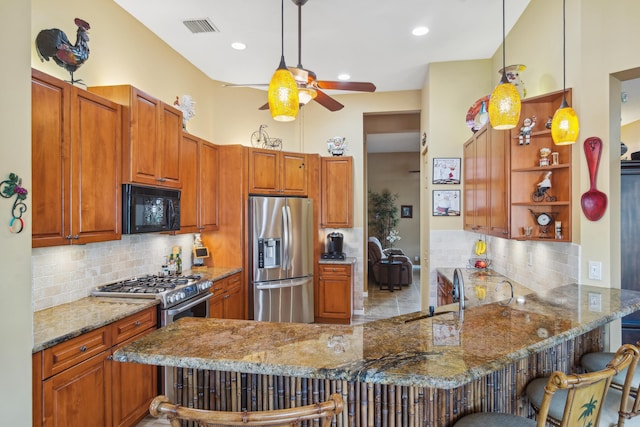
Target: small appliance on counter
[[334, 247], [200, 252]]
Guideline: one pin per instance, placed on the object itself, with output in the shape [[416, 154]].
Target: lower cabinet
[[228, 298], [334, 293], [77, 382], [445, 291]]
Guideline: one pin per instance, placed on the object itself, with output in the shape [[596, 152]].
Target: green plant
[[383, 214]]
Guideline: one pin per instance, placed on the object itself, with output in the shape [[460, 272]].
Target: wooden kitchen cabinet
[[152, 139], [76, 154], [526, 173], [199, 195], [334, 293], [277, 172], [486, 182], [336, 188], [228, 298], [76, 382], [445, 291]]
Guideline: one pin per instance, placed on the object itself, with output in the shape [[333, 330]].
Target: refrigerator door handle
[[285, 238], [289, 237], [281, 284]]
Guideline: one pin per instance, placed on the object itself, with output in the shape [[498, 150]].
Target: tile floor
[[378, 305]]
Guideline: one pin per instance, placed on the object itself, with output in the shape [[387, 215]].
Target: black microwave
[[149, 209]]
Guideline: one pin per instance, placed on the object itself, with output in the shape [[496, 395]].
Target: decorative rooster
[[53, 43]]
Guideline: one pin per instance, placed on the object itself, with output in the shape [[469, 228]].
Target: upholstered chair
[[377, 254]]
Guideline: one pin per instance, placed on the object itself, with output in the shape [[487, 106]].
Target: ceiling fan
[[308, 81]]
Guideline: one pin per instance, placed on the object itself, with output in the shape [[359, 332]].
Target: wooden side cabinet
[[445, 290], [277, 172], [334, 293], [76, 162], [153, 136], [77, 380], [336, 189], [228, 298]]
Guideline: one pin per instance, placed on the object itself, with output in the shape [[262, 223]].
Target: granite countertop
[[57, 324], [483, 286], [347, 260], [410, 350]]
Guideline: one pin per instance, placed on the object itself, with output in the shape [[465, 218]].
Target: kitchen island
[[407, 370]]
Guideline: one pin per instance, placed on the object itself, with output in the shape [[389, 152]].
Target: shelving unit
[[526, 173]]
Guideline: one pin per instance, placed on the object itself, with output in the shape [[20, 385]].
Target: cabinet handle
[[227, 296], [68, 237], [76, 237], [110, 357], [83, 348], [138, 323], [161, 179]]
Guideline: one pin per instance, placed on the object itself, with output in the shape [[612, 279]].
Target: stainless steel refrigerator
[[281, 259]]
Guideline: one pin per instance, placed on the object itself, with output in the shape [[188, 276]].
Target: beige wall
[[15, 249]]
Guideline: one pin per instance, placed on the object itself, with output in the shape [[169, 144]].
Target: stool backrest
[[324, 411], [586, 393]]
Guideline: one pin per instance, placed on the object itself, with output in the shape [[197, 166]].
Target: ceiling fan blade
[[264, 107], [357, 86], [327, 102]]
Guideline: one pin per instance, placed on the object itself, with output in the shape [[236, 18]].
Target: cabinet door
[[134, 386], [208, 186], [293, 174], [170, 141], [234, 298], [469, 152], [263, 172], [337, 192], [216, 304], [189, 192], [144, 151], [476, 188], [50, 146], [334, 296], [95, 168], [79, 396], [498, 172], [444, 291]]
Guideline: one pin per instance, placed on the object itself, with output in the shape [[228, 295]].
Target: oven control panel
[[187, 292]]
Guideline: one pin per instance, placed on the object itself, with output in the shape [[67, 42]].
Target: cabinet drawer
[[64, 355], [133, 325], [234, 280], [335, 269]]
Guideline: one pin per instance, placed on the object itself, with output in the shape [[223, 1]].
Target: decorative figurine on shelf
[[188, 107], [525, 130], [542, 192], [54, 44], [548, 124], [544, 156], [337, 145]]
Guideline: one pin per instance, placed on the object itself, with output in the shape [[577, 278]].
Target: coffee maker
[[334, 247]]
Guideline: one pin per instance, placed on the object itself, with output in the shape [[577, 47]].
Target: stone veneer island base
[[409, 370]]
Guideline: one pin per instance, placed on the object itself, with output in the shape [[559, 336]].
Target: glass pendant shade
[[565, 126], [504, 106], [305, 95], [283, 95]]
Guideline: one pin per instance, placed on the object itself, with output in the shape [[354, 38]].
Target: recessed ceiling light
[[420, 31], [238, 46], [344, 76]]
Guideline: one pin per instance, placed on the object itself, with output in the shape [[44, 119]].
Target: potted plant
[[383, 216]]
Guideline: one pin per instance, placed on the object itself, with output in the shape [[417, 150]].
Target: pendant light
[[305, 92], [283, 90], [564, 125], [504, 103]]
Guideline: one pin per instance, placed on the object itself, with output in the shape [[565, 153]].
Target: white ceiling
[[370, 40]]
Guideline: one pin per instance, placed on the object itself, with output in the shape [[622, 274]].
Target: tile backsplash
[[63, 274]]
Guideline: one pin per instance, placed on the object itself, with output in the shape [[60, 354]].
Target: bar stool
[[324, 411], [613, 409], [566, 393]]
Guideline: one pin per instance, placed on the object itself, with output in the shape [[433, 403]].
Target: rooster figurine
[[53, 43]]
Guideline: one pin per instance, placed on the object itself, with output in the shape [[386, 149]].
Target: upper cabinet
[[76, 157], [336, 190], [152, 140], [535, 202], [277, 172], [200, 179]]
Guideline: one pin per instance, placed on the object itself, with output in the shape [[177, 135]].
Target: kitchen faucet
[[458, 292], [499, 285]]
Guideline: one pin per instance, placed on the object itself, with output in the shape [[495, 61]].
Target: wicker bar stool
[[617, 401], [576, 399], [160, 406]]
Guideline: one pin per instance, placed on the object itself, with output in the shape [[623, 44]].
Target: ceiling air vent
[[200, 26]]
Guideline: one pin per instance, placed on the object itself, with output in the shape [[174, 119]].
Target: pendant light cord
[[564, 52], [504, 39], [282, 28]]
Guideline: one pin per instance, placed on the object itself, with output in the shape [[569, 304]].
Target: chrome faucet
[[458, 292], [499, 285]]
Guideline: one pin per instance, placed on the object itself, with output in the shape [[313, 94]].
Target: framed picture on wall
[[446, 202], [406, 211], [446, 170]]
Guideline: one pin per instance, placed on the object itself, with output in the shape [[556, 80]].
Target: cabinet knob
[[68, 237], [138, 323], [161, 179], [110, 357], [76, 237], [83, 348]]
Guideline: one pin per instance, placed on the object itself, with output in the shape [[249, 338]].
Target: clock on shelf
[[544, 221]]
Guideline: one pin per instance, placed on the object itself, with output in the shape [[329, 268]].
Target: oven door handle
[[204, 298]]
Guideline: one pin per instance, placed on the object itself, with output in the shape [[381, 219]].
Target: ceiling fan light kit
[[283, 89], [504, 103], [565, 125]]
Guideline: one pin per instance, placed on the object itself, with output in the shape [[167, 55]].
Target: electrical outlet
[[595, 270]]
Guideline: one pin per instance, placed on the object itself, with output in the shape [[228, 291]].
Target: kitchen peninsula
[[407, 370]]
